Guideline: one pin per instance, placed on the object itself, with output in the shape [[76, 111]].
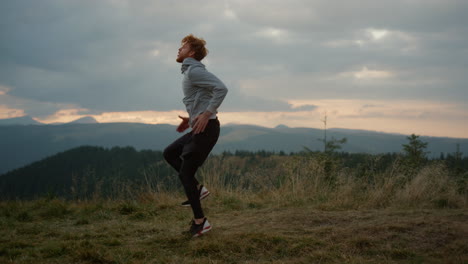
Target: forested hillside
[[121, 172], [83, 172], [23, 144]]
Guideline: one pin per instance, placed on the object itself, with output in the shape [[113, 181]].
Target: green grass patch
[[54, 209], [246, 229]]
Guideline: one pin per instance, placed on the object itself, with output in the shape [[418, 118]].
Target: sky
[[398, 66]]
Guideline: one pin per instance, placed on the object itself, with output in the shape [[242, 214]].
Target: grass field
[[248, 228], [269, 210]]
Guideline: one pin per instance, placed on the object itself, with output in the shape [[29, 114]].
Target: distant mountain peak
[[23, 120], [281, 126], [85, 120]]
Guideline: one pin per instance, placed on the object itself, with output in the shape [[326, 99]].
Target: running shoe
[[198, 230], [203, 194]]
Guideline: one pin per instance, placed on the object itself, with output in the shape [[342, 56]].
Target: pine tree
[[414, 151]]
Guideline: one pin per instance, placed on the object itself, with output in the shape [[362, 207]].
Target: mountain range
[[23, 120], [23, 143], [27, 120]]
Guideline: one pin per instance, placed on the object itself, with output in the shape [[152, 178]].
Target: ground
[[244, 231]]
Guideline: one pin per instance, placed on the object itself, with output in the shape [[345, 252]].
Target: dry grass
[[317, 180], [280, 210], [247, 229]]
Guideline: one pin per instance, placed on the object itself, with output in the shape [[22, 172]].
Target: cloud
[[239, 102], [378, 40], [312, 15], [306, 107], [7, 112], [13, 106], [4, 90], [391, 116], [365, 73], [116, 56], [423, 117]]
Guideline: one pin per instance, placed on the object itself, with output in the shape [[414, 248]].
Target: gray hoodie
[[202, 90]]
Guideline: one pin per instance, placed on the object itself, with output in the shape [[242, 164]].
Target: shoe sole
[[202, 196]]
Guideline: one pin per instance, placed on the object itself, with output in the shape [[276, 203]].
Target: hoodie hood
[[190, 62]]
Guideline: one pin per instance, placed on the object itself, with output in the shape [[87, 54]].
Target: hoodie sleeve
[[200, 77]]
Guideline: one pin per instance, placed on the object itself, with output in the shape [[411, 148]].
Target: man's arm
[[202, 78]]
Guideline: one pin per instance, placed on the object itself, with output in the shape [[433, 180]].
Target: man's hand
[[183, 125], [200, 122]]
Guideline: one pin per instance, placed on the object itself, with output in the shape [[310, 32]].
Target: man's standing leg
[[187, 172], [193, 156]]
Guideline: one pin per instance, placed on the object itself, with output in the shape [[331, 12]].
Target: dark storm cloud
[[117, 55], [95, 54]]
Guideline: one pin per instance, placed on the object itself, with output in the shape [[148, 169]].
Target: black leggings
[[188, 153]]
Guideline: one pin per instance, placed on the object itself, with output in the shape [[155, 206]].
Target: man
[[203, 94]]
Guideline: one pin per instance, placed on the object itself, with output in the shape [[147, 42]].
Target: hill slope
[[21, 145], [24, 120], [81, 172], [84, 120]]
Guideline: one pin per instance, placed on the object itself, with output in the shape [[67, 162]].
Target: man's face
[[184, 52]]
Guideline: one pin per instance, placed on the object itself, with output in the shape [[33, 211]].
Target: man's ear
[[191, 53]]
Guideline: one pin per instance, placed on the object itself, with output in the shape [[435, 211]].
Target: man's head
[[192, 47]]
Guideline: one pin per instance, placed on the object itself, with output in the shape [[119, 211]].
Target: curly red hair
[[197, 45]]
